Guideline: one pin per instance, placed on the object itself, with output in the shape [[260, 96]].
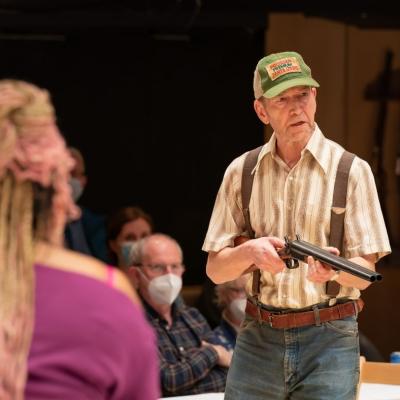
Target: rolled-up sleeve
[[365, 229], [227, 220]]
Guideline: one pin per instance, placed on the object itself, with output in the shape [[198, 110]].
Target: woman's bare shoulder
[[72, 261]]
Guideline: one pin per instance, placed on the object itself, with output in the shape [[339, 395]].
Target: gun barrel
[[300, 250]]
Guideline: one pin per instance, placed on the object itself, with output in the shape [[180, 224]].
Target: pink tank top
[[110, 275]]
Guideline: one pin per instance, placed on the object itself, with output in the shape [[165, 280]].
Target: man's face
[[78, 172], [291, 114], [162, 257]]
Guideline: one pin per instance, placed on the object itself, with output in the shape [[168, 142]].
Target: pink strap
[[110, 275]]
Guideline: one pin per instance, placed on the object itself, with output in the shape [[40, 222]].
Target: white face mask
[[237, 307], [165, 288], [76, 188]]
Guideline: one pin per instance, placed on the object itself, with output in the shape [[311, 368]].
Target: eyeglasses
[[161, 269]]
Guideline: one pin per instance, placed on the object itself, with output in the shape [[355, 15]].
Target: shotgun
[[298, 250]]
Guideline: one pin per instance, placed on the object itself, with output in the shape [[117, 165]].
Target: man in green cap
[[300, 337]]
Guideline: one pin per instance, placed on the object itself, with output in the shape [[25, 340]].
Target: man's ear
[[314, 91], [259, 108], [133, 273]]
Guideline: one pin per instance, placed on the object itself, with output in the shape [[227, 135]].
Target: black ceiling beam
[[77, 20], [178, 15]]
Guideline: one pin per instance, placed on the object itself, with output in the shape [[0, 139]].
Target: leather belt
[[296, 319]]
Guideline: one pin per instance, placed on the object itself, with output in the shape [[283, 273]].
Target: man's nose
[[168, 269], [295, 106]]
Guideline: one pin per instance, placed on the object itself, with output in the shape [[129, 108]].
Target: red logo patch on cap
[[282, 67]]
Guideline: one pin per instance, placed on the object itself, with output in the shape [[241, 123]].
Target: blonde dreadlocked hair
[[35, 202]]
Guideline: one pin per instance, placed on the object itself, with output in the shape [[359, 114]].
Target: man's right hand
[[264, 253]]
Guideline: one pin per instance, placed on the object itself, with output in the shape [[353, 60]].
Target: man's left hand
[[319, 272]]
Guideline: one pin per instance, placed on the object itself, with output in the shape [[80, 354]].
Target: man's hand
[[224, 356], [319, 272], [263, 252]]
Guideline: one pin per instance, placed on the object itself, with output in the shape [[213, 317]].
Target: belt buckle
[[270, 315], [332, 301]]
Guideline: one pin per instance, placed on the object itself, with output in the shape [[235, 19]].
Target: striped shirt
[[286, 202]]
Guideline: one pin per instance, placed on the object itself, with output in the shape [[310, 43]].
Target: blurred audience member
[[78, 178], [124, 226], [231, 298], [86, 234], [80, 325], [207, 303], [190, 360]]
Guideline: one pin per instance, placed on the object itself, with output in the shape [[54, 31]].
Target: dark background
[[156, 94]]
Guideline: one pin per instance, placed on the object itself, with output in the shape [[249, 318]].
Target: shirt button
[[181, 349]]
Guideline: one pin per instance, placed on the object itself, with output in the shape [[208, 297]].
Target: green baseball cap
[[278, 72]]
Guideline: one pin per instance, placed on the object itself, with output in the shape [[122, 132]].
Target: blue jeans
[[306, 363]]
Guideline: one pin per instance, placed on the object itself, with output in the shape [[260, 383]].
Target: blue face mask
[[76, 188], [125, 252]]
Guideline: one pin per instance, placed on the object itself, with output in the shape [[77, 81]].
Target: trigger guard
[[292, 263]]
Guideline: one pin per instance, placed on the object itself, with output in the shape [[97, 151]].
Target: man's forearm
[[227, 264]]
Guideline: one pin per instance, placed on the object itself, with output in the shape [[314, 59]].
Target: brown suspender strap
[[247, 185], [338, 211]]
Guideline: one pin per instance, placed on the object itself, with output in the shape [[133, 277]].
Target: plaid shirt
[[185, 366], [226, 334]]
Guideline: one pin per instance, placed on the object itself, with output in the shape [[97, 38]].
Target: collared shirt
[[186, 367], [286, 202]]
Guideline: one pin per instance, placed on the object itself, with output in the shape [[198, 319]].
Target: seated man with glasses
[[191, 360]]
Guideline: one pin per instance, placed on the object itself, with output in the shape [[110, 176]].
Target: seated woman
[[125, 226], [69, 328]]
